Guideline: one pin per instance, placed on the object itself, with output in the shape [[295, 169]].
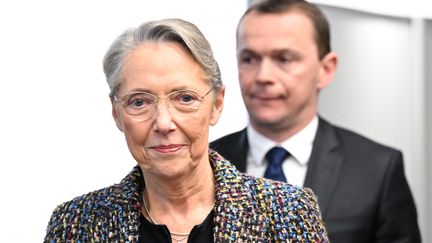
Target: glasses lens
[[139, 104], [181, 104]]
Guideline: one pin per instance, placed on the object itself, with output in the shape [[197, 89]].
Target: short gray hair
[[165, 30]]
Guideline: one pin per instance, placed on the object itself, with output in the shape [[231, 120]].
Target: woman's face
[[166, 144]]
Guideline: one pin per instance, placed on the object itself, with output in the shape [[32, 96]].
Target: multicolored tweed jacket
[[247, 209]]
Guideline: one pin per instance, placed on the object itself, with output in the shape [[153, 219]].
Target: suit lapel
[[233, 202], [233, 147], [324, 165], [240, 151]]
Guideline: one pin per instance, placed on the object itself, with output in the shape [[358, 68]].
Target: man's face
[[279, 70]]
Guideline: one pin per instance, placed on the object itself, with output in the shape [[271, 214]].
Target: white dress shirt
[[299, 146]]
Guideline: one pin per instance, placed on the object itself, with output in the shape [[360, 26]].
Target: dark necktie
[[275, 158]]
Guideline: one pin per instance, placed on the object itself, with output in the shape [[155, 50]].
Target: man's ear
[[116, 117], [327, 70], [217, 106]]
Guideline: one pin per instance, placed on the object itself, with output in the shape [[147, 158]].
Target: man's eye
[[247, 59], [285, 59]]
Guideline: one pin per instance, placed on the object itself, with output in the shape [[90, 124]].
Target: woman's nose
[[164, 122]]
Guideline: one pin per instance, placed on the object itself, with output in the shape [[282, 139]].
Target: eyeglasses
[[142, 105]]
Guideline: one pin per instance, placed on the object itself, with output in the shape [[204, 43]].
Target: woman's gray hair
[[165, 30]]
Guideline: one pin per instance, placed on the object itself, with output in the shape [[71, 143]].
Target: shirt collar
[[299, 145]]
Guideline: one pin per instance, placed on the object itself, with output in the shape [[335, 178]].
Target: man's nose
[[266, 71]]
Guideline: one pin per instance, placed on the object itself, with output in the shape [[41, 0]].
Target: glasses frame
[[123, 102]]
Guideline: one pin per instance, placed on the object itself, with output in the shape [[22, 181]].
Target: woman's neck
[[183, 202]]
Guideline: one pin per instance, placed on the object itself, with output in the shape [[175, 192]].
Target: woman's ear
[[327, 70], [116, 116], [217, 106]]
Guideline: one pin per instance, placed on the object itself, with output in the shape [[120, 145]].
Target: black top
[[149, 232]]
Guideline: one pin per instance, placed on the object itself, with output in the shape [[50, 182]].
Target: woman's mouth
[[171, 148]]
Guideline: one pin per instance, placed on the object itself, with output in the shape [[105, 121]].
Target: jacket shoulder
[[79, 215], [351, 140], [230, 139], [89, 200], [108, 213], [232, 146]]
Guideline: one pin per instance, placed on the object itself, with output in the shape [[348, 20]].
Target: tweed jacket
[[247, 209]]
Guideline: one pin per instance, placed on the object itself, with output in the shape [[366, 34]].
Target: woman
[[166, 90]]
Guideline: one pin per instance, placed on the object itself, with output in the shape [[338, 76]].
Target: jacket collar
[[325, 165], [229, 194]]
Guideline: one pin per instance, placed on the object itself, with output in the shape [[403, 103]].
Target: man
[[284, 60]]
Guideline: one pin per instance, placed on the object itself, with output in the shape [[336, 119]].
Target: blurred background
[[58, 139]]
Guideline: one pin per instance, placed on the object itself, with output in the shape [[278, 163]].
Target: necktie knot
[[275, 157]]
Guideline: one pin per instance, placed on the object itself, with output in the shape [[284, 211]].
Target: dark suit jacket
[[361, 186]]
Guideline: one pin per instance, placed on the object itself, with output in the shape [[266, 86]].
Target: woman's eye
[[138, 101], [185, 98]]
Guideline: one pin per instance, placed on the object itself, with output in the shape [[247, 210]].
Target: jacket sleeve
[[397, 216]]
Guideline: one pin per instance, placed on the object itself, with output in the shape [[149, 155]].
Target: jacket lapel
[[233, 206], [233, 147], [240, 151], [324, 165]]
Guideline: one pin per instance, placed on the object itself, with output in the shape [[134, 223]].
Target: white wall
[[380, 90], [428, 127], [57, 136], [412, 8]]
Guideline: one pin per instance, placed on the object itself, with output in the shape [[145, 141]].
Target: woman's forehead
[[164, 88], [161, 65]]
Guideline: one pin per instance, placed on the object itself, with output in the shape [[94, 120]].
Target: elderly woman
[[166, 91]]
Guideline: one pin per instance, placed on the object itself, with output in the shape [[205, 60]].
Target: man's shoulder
[[229, 140], [350, 139], [230, 137]]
